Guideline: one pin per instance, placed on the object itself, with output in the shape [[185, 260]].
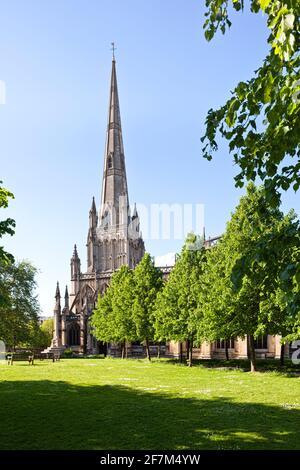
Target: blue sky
[[56, 62]]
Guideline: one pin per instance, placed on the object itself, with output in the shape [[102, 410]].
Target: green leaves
[[112, 318], [148, 282], [177, 308], [232, 112], [264, 4], [261, 121], [125, 311], [268, 87], [19, 307], [250, 284], [6, 226]]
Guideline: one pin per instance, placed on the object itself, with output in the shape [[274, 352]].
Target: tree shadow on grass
[[58, 415]]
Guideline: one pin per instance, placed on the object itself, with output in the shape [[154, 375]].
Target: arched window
[[74, 335], [109, 162]]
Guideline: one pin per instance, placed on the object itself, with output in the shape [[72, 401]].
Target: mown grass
[[132, 404]]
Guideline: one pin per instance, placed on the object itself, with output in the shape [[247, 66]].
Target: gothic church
[[113, 239]]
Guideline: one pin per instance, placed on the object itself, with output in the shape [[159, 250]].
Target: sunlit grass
[[133, 404]]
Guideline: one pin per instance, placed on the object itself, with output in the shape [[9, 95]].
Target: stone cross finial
[[113, 48]]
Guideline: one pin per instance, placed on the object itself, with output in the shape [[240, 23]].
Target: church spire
[[57, 293], [93, 208], [114, 184], [75, 264], [93, 218], [66, 295], [66, 308]]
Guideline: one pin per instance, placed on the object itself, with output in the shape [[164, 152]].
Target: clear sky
[[55, 59]]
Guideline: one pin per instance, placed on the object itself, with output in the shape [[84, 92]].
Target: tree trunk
[[123, 350], [148, 350], [126, 350], [282, 354], [158, 351], [252, 353], [190, 362], [226, 350], [188, 351], [180, 352]]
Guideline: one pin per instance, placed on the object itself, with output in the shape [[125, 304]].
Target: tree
[[280, 322], [6, 226], [39, 335], [47, 329], [147, 284], [20, 311], [215, 311], [243, 307], [279, 251], [261, 120], [102, 316], [45, 334], [177, 303], [124, 328], [112, 319]]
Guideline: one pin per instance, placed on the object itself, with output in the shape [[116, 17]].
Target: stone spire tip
[[93, 208], [113, 48], [57, 292]]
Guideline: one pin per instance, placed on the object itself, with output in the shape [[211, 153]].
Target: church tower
[[113, 239]]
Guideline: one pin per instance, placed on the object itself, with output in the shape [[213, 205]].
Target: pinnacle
[[57, 293]]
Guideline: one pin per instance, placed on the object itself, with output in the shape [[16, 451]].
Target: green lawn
[[131, 404]]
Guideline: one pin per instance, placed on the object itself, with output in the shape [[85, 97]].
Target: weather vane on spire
[[113, 48]]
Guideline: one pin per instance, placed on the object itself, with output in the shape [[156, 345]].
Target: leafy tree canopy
[[178, 301], [147, 284], [6, 226], [261, 120], [247, 304], [46, 333], [112, 318], [277, 254], [20, 311]]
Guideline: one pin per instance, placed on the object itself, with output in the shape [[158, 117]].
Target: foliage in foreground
[[6, 226], [261, 120]]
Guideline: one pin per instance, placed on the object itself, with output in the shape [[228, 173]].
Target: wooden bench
[[23, 356], [51, 355]]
